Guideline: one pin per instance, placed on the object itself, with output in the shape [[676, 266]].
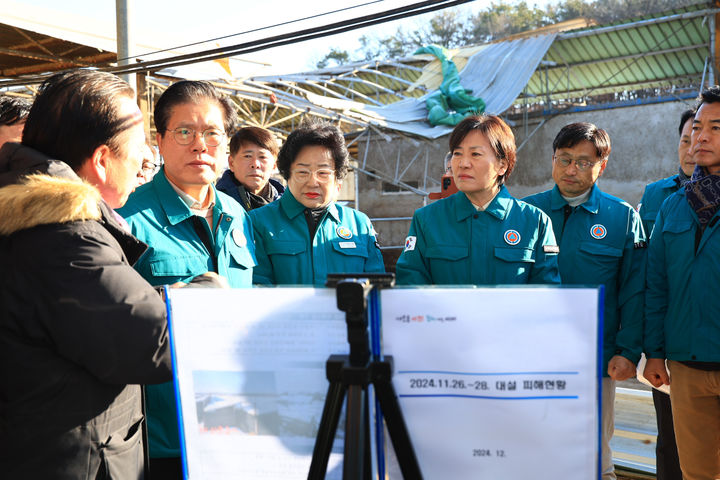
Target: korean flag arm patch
[[410, 243], [412, 268]]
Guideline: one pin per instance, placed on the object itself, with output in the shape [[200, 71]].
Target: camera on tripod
[[351, 375]]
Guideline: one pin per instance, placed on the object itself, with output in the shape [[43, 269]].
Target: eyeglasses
[[185, 136], [150, 167], [323, 175], [581, 165]]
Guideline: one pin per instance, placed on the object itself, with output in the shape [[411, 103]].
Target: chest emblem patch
[[598, 231], [239, 238], [512, 237], [343, 232]]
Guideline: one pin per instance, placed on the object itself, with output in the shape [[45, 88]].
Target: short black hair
[[192, 91], [574, 133], [308, 134], [259, 136], [13, 110], [688, 114], [709, 95], [74, 113]]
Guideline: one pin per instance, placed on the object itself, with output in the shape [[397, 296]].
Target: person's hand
[[209, 280], [205, 280], [656, 373], [620, 368]]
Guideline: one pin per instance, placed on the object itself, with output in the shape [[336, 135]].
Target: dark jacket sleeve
[[101, 314]]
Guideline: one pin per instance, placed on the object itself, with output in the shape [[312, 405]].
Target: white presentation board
[[497, 383], [250, 369]]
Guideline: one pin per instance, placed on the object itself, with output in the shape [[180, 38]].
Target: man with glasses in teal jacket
[[191, 228], [601, 243]]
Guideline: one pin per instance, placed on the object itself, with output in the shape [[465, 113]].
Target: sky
[[168, 24]]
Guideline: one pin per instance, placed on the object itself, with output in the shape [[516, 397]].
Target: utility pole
[[125, 41]]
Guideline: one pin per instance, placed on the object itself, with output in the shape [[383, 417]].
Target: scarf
[[313, 217], [681, 179], [703, 194]]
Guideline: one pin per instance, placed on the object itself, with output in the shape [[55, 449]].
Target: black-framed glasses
[[581, 165], [185, 136]]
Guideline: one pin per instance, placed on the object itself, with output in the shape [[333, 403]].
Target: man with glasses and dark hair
[[601, 243], [682, 309], [306, 235], [150, 165], [79, 328], [190, 226]]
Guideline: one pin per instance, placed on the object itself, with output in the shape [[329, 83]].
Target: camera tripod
[[351, 374]]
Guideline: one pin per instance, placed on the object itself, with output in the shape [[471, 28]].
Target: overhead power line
[[269, 42], [254, 30]]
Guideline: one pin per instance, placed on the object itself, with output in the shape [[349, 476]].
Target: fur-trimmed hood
[[44, 199], [37, 190]]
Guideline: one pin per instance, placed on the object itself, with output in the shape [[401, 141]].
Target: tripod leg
[[354, 463], [394, 420], [368, 438], [326, 432]]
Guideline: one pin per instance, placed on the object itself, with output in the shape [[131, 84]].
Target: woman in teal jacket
[[306, 235], [480, 235]]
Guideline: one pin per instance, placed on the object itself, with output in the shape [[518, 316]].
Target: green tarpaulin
[[451, 103]]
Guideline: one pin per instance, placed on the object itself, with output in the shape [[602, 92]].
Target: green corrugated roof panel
[[652, 51]]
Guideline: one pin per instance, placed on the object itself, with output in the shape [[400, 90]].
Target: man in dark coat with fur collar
[[79, 328]]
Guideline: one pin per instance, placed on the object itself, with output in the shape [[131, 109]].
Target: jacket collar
[[592, 204], [131, 245], [43, 199], [17, 161], [292, 208], [498, 208], [669, 182], [174, 206], [227, 180]]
